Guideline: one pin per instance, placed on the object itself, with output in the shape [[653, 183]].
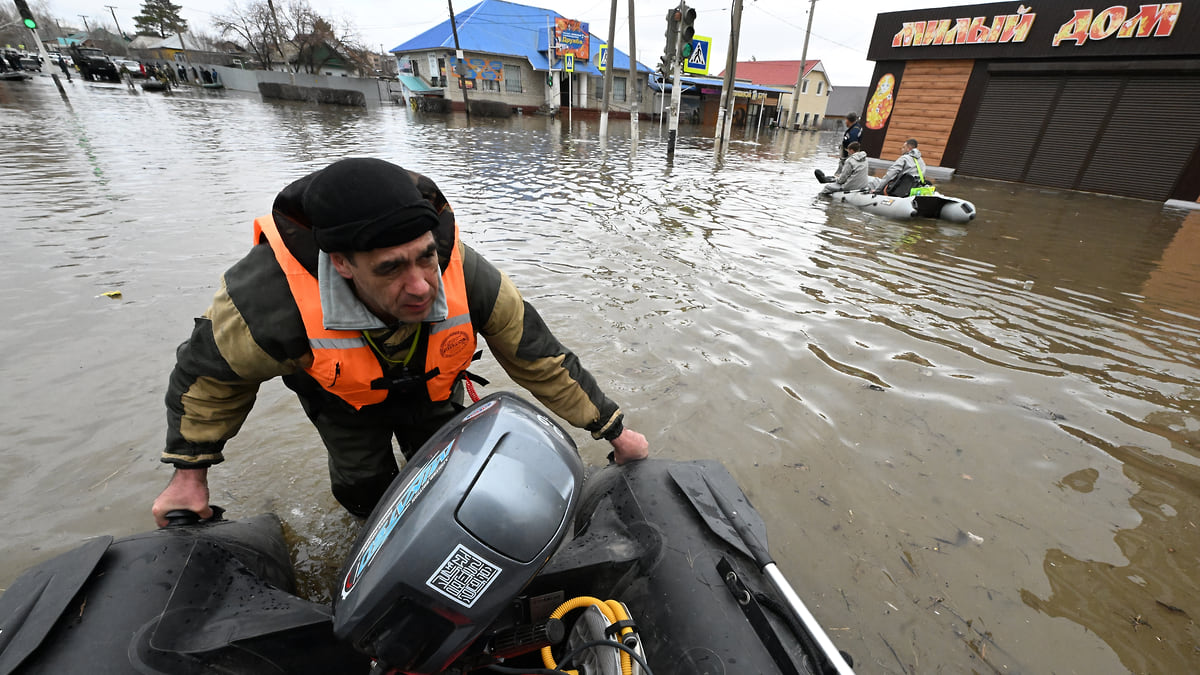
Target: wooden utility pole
[[461, 67], [728, 95], [633, 88], [85, 26], [608, 70], [803, 62]]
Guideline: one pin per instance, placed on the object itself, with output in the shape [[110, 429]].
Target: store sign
[[1007, 28], [1149, 21], [1153, 20]]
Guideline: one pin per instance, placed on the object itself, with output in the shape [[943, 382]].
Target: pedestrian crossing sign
[[603, 57], [569, 62], [697, 63]]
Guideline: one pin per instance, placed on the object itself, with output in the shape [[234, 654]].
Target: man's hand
[[188, 490], [630, 446]]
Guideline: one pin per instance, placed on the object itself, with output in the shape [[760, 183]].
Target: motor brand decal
[[478, 411], [463, 576], [405, 498]]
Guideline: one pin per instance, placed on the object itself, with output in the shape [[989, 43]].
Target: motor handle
[[187, 517]]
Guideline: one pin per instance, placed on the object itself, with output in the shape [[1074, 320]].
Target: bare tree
[[291, 33], [254, 25]]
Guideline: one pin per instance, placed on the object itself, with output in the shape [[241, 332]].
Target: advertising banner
[[572, 36]]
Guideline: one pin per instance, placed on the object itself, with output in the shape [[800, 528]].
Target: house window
[[804, 87], [806, 119], [816, 119], [618, 89], [487, 85], [512, 79], [819, 85]]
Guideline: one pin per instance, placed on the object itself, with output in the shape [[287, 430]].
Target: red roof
[[772, 73]]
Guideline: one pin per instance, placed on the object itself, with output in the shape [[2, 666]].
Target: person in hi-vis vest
[[359, 294]]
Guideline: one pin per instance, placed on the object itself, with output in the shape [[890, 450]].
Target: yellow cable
[[612, 610]]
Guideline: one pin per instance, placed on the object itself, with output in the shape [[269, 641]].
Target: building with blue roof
[[518, 55]]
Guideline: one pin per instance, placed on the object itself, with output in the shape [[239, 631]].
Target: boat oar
[[763, 558]]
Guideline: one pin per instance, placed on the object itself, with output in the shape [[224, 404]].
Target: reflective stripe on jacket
[[344, 363]]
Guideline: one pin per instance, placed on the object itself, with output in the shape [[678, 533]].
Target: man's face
[[398, 283]]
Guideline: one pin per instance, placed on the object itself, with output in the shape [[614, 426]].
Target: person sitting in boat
[[853, 174], [360, 295], [904, 174]]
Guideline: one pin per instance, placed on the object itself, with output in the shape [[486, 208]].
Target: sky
[[771, 29]]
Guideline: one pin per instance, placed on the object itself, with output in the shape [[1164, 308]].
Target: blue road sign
[[697, 63]]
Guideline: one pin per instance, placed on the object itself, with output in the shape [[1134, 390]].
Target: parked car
[[134, 67]]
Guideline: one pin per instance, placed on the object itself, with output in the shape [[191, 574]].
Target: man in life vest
[[358, 293], [907, 172]]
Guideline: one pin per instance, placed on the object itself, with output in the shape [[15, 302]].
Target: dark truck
[[93, 64]]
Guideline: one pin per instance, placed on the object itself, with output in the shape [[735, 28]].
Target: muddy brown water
[[975, 447]]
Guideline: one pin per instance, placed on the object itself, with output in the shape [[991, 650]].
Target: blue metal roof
[[510, 29]]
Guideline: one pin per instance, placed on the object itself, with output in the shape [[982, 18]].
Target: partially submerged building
[[527, 58], [1072, 94]]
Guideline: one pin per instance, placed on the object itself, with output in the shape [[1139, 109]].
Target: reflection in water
[[958, 435], [1144, 607]]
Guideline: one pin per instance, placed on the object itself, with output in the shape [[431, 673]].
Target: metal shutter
[[1070, 132], [1007, 125], [1145, 145], [1121, 134]]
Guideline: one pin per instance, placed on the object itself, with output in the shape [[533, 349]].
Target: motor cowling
[[470, 520]]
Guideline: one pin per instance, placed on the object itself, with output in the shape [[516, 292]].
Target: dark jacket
[[853, 133]]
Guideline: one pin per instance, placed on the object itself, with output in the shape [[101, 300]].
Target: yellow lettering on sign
[[1159, 18], [1076, 29], [1004, 28]]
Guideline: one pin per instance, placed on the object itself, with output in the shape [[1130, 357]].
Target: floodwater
[[977, 448]]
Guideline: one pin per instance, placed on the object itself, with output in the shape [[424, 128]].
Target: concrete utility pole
[[728, 94], [608, 70], [791, 120], [633, 88], [676, 95], [461, 67], [114, 13]]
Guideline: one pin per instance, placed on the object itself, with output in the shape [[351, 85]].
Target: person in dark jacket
[[853, 134], [359, 295]]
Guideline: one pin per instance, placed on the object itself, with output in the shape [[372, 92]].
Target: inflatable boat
[[489, 551], [934, 205]]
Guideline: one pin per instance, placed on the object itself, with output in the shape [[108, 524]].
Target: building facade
[[524, 57], [780, 77], [1070, 94]]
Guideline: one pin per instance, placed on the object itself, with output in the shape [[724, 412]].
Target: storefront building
[[521, 57], [1062, 93]]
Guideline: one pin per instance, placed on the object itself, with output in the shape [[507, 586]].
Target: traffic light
[[688, 29], [26, 15], [667, 61]]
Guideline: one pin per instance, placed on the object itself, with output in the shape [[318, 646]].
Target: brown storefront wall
[[926, 107]]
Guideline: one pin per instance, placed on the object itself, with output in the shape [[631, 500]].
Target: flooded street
[[976, 448]]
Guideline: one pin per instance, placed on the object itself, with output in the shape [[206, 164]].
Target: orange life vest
[[344, 362]]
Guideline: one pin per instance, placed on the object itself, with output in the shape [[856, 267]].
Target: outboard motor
[[469, 521]]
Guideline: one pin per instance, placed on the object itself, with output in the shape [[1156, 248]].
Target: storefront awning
[[416, 84]]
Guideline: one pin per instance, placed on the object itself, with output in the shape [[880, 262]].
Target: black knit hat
[[361, 204]]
